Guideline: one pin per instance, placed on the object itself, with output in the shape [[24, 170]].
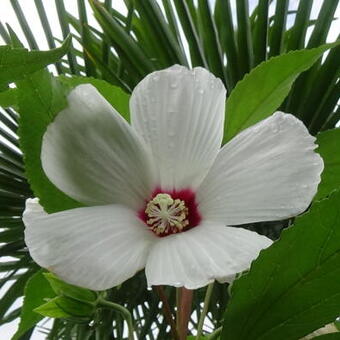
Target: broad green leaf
[[262, 91], [37, 112], [64, 307], [8, 98], [329, 142], [36, 290], [52, 310], [41, 97], [292, 288], [16, 63], [62, 288]]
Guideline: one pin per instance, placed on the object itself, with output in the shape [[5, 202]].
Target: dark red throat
[[189, 198]]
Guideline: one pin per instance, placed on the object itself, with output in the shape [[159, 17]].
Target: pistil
[[166, 215]]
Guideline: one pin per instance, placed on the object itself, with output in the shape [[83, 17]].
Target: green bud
[[65, 307], [65, 289]]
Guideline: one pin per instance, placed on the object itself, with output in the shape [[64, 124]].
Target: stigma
[[166, 215]]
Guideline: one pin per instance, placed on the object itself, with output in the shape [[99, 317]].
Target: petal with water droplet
[[263, 174], [203, 254], [184, 126]]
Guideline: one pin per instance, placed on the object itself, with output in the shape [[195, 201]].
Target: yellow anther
[[166, 215]]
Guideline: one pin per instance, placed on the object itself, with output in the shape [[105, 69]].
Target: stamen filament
[[166, 215]]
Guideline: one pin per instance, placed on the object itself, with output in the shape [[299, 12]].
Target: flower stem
[[167, 311], [122, 310], [205, 310], [184, 311], [178, 297]]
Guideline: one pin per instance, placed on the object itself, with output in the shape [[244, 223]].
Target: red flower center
[[170, 212]]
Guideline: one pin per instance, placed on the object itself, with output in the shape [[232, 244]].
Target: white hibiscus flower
[[162, 193]]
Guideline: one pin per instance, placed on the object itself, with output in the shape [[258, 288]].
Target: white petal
[[180, 114], [92, 154], [93, 247], [199, 256], [267, 172]]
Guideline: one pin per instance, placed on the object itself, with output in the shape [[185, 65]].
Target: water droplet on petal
[[275, 128], [200, 91], [155, 77], [173, 85]]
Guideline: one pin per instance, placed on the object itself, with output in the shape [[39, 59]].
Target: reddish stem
[[184, 309], [167, 311]]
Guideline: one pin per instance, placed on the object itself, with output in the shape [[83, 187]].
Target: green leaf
[[262, 91], [8, 98], [77, 293], [292, 288], [16, 63], [52, 310], [328, 142], [36, 290], [64, 307], [41, 97]]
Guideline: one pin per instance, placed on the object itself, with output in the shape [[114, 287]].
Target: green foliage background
[[151, 36]]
